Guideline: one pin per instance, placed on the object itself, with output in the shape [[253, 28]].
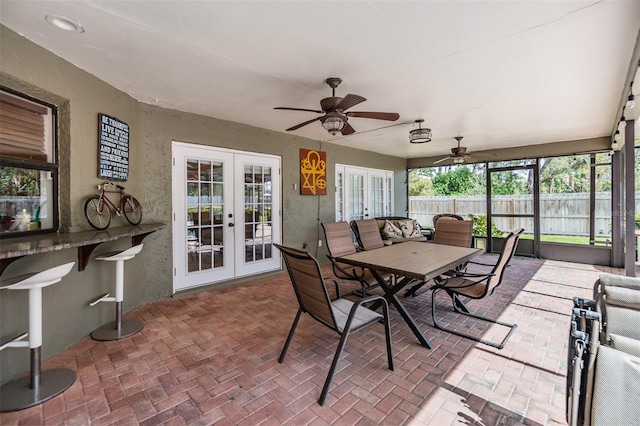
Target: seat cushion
[[363, 316]]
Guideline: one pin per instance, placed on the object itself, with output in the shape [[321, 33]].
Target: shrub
[[480, 227]]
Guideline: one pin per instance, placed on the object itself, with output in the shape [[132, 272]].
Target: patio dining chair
[[476, 286], [367, 234], [449, 216], [340, 243], [340, 315], [453, 233]]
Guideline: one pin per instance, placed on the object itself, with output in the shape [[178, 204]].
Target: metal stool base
[[109, 331], [17, 395]]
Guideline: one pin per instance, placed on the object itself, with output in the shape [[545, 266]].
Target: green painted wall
[[32, 70]]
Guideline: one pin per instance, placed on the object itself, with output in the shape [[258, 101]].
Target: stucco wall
[[80, 96], [161, 126]]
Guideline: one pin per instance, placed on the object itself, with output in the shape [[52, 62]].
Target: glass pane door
[[257, 212], [203, 241], [205, 200], [356, 203], [513, 204], [376, 194], [259, 179]]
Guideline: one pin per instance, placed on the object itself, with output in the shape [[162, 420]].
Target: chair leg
[[334, 364], [387, 331], [461, 311], [290, 336]]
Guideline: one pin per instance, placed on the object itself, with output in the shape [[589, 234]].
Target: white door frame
[[347, 195], [225, 252]]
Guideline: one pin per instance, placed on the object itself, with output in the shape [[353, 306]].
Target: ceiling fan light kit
[[459, 154], [333, 123], [420, 135], [335, 115]]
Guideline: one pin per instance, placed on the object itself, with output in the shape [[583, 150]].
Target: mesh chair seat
[[342, 308], [466, 287]]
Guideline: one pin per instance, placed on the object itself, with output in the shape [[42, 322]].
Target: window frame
[[52, 167]]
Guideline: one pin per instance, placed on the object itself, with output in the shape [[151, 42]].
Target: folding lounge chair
[[604, 360], [341, 315]]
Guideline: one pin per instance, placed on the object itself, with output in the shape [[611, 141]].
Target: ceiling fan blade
[[470, 159], [303, 124], [300, 109], [347, 129], [389, 116], [441, 160], [349, 101]]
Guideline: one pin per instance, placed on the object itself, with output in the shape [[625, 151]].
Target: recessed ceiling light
[[65, 23]]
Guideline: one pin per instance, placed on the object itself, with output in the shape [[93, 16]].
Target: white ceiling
[[499, 73]]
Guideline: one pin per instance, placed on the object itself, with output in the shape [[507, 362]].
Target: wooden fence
[[560, 214]]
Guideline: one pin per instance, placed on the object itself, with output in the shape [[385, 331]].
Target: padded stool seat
[[39, 386], [117, 329]]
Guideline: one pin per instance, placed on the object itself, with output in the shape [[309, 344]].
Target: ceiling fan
[[335, 111], [458, 154]]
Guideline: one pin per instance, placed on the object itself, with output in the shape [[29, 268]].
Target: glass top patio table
[[409, 261]]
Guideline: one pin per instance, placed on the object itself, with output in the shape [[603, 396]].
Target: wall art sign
[[313, 172], [113, 148]]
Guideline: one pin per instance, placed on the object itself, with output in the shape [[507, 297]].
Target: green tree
[[509, 183], [419, 183], [459, 181]]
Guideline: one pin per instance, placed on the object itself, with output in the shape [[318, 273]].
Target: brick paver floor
[[211, 358]]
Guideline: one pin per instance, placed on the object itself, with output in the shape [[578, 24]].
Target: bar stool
[[117, 329], [39, 386]]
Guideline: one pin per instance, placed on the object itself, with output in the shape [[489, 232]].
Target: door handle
[[231, 224]]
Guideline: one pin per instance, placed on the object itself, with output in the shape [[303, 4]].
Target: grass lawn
[[568, 239]]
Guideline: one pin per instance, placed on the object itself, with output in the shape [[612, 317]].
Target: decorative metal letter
[[313, 172]]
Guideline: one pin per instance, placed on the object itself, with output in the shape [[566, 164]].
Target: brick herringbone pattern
[[211, 358]]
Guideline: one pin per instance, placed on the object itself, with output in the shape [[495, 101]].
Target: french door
[[226, 214], [363, 193]]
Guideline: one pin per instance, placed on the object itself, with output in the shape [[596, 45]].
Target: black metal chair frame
[[314, 309]]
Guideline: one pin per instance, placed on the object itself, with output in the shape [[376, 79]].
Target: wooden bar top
[[14, 248]]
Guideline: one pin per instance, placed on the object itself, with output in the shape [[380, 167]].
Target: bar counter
[[12, 249]]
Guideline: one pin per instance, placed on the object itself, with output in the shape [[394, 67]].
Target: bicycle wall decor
[[98, 209]]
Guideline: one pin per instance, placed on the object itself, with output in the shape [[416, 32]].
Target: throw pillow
[[391, 231], [410, 228]]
